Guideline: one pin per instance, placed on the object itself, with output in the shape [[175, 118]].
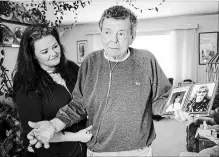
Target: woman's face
[[201, 94], [47, 52], [177, 99]]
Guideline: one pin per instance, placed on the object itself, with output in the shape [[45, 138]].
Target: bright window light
[[159, 44]]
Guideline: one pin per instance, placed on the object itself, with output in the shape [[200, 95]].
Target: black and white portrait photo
[[201, 97], [177, 99]]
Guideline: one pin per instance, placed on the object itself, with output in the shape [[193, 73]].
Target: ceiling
[[93, 12]]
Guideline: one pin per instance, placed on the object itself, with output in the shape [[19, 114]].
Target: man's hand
[[33, 140], [181, 116], [42, 132]]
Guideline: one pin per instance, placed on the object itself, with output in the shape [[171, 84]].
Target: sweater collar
[[127, 55]]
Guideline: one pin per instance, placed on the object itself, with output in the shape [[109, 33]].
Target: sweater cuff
[[57, 124], [64, 120]]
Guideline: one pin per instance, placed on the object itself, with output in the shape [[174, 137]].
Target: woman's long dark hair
[[28, 75]]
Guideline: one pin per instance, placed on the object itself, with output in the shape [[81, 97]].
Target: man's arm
[[57, 124], [160, 88], [75, 111]]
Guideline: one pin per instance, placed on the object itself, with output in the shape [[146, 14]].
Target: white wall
[[206, 23], [77, 33]]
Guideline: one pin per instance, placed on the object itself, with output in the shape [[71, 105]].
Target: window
[[160, 45]]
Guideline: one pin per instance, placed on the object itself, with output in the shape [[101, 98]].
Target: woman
[[43, 81], [200, 101], [176, 105]]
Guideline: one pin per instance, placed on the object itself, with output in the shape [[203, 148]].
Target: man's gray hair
[[119, 12]]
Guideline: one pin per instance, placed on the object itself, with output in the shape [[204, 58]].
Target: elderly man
[[118, 88]]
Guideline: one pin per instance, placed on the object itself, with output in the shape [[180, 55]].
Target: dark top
[[198, 106], [33, 108]]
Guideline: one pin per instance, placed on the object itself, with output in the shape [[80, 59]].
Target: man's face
[[116, 37]]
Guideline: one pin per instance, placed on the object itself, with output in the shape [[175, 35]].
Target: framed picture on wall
[[208, 46], [81, 50]]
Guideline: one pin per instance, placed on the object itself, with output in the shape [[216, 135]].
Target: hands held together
[[44, 133]]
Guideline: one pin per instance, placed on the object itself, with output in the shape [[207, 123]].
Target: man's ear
[[133, 37]]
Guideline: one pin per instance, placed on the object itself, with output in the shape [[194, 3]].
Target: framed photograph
[[81, 50], [208, 46], [176, 100], [201, 98]]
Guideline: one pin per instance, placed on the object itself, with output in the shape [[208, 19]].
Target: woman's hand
[[83, 135], [59, 137]]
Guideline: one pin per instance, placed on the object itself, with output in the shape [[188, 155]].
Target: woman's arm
[[83, 135]]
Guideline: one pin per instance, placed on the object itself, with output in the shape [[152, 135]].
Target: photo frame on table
[[208, 46], [81, 50], [176, 100], [201, 98]]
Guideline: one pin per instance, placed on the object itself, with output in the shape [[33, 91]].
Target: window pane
[[159, 45]]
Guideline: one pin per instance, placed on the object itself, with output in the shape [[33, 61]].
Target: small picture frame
[[208, 46], [81, 50], [176, 100], [201, 98]]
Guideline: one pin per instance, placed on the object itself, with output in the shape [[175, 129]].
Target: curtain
[[184, 55], [159, 44]]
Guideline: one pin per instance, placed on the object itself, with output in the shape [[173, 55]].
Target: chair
[[197, 143]]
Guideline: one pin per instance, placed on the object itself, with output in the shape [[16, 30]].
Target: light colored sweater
[[119, 102]]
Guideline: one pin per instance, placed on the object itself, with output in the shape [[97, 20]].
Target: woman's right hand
[[84, 135]]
